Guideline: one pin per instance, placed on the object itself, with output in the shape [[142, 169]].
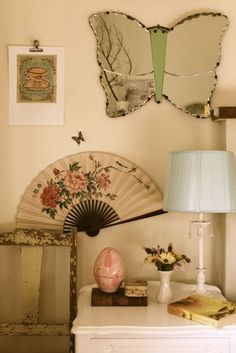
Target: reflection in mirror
[[176, 63]]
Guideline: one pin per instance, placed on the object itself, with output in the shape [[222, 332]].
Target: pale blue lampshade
[[200, 181]]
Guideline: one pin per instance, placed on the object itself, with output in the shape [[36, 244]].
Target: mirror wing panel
[[193, 46], [121, 42], [192, 96], [127, 94]]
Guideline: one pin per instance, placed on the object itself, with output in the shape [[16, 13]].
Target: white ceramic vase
[[164, 294]]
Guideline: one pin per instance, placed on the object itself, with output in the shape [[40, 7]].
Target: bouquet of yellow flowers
[[165, 260]]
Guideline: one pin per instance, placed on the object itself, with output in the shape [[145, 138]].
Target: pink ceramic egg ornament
[[109, 270]]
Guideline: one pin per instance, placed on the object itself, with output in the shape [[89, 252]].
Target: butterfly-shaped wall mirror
[[177, 63]]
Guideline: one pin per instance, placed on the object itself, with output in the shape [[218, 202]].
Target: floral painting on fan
[[89, 191], [165, 259], [73, 185]]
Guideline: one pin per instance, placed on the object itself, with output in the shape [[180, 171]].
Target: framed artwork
[[36, 86]]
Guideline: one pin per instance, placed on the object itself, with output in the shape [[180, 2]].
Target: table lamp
[[200, 182]]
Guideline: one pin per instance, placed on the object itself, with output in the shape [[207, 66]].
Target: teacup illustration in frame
[[36, 78]]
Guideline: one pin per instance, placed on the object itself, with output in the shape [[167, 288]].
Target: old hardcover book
[[214, 311], [99, 298]]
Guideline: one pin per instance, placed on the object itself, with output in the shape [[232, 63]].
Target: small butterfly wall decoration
[[177, 63], [79, 138]]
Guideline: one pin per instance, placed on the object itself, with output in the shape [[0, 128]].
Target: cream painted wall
[[230, 240], [145, 137]]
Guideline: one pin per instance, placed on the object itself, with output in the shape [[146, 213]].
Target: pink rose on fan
[[50, 196], [103, 181], [75, 181]]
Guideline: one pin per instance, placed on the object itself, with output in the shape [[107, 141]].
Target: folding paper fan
[[90, 191]]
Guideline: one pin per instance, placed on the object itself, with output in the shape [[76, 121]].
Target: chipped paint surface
[[31, 261], [32, 243], [37, 329], [34, 237]]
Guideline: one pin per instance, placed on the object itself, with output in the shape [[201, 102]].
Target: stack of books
[[132, 293]]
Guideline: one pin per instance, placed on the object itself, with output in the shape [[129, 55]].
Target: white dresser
[[147, 329]]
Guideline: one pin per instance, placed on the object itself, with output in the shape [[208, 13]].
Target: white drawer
[[181, 345]]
